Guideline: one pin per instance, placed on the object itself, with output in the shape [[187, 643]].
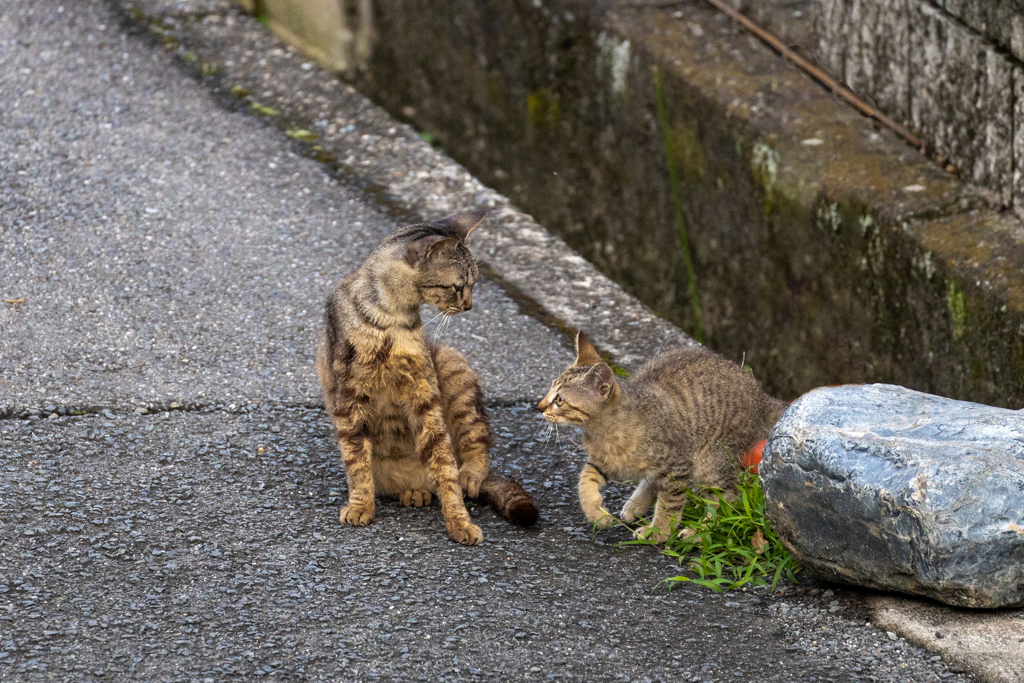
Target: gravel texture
[[185, 528]]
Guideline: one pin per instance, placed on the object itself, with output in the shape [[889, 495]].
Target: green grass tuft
[[265, 110], [301, 134], [721, 553]]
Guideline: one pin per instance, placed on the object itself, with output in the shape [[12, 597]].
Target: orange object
[[752, 457]]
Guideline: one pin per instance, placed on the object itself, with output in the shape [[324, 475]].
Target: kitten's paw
[[601, 519], [470, 479], [630, 513], [415, 498], [651, 533], [356, 516], [466, 534]]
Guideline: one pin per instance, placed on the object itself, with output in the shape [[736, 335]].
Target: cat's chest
[[392, 362], [615, 455]]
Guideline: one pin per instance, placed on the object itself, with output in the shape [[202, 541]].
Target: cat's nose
[[468, 303], [543, 405]]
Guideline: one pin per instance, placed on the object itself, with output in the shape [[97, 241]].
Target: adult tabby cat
[[684, 419], [409, 415]]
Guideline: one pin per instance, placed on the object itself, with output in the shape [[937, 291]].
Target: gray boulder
[[889, 488]]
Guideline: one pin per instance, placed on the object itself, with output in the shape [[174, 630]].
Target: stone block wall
[[951, 70]]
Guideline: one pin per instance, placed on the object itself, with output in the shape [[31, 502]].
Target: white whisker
[[540, 431], [431, 320], [441, 327]]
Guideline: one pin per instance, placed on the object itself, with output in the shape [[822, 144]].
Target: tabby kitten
[[409, 415], [684, 419]]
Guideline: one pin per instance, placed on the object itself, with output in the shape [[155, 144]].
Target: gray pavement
[[172, 254]]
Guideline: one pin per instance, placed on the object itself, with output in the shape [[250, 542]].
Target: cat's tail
[[509, 499]]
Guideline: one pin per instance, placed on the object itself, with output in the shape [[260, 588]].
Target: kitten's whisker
[[541, 431]]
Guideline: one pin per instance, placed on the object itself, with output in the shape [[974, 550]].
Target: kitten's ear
[[586, 354], [425, 247], [463, 223], [601, 379]]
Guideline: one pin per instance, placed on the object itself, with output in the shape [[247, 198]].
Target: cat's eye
[[559, 401]]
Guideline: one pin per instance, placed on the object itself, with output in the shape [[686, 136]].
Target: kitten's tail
[[509, 499]]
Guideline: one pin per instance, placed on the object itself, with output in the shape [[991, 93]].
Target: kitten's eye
[[559, 401]]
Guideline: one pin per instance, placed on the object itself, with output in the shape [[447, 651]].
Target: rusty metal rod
[[814, 72]]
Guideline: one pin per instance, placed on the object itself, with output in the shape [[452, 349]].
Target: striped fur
[[684, 419], [409, 416]]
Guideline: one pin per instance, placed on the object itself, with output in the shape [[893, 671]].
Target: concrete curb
[[990, 644], [548, 278]]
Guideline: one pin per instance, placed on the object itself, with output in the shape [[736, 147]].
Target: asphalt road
[[172, 256]]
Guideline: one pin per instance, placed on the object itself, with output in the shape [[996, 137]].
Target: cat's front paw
[[630, 513], [415, 498], [466, 533], [601, 519], [470, 479], [651, 533], [356, 516]]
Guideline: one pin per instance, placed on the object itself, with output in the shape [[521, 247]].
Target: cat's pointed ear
[[463, 223], [425, 247], [586, 354], [601, 379]]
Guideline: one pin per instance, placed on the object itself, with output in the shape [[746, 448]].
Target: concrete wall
[[951, 70]]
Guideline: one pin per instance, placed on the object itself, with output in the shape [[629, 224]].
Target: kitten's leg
[[435, 451], [356, 452], [670, 504], [639, 502], [465, 416], [590, 485]]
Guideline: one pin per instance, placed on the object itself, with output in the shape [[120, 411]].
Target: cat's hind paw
[[356, 516], [415, 498]]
